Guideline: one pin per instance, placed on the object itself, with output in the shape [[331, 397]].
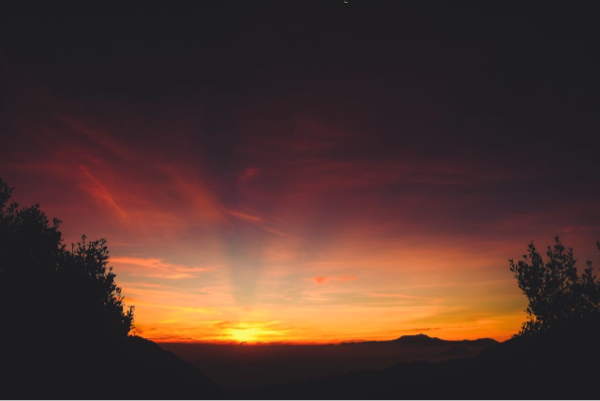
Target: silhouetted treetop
[[5, 192], [47, 288], [557, 294]]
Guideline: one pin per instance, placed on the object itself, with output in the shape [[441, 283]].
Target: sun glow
[[245, 335], [254, 332]]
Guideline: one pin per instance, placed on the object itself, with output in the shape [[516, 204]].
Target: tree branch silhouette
[[557, 295]]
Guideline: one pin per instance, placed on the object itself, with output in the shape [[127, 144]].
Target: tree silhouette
[[557, 294], [47, 289], [64, 326]]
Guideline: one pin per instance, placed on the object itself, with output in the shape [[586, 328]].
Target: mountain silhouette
[[419, 339], [559, 364], [423, 340]]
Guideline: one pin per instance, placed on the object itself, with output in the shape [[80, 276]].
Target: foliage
[[50, 290], [557, 294]]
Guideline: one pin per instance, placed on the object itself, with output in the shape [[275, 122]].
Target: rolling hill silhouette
[[561, 363], [242, 367], [131, 368]]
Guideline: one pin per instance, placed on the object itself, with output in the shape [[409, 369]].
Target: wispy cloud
[[255, 221], [153, 267], [100, 193]]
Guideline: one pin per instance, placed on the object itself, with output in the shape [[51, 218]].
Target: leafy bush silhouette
[[557, 295], [64, 324], [49, 290]]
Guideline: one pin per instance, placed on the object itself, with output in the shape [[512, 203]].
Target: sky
[[310, 171]]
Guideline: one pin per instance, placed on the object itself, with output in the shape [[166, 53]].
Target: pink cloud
[[322, 279]]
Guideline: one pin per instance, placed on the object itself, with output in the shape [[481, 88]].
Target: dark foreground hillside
[[562, 364], [133, 368]]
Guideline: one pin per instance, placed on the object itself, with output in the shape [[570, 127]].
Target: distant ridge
[[419, 339], [425, 340]]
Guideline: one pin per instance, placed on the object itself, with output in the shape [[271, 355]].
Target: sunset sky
[[308, 172]]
